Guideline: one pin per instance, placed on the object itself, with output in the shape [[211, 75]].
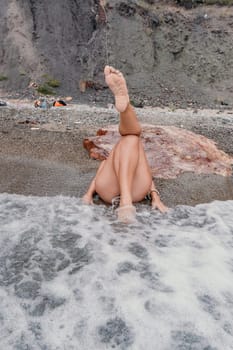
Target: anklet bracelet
[[156, 191]]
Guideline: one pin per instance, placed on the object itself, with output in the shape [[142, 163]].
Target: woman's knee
[[136, 131], [130, 140]]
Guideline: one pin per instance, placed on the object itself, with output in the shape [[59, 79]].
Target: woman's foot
[[126, 214], [117, 84]]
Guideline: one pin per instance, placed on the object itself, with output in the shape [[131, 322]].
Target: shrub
[[45, 90], [3, 77], [53, 83]]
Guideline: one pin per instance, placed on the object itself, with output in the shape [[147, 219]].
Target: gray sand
[[48, 158]]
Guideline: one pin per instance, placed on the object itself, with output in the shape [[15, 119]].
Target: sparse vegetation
[[47, 85], [3, 77], [45, 90], [50, 81], [54, 83], [22, 72]]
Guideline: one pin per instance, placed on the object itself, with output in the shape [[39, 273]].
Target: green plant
[[3, 77], [45, 90], [50, 81], [22, 72], [53, 83]]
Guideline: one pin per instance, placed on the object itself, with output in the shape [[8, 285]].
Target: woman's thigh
[[142, 178], [106, 182]]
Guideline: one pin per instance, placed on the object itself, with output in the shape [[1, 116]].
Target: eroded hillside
[[169, 54]]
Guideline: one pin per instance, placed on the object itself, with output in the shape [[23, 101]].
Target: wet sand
[[41, 152]]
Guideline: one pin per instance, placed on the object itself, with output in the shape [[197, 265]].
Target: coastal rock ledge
[[170, 150]]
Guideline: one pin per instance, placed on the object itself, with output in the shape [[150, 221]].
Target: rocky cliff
[[170, 55]]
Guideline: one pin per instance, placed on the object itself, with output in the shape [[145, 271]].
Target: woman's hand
[[156, 201], [87, 199], [157, 204]]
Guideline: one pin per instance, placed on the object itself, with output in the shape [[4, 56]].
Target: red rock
[[170, 150]]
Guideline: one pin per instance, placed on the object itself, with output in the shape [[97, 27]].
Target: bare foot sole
[[117, 84], [126, 214]]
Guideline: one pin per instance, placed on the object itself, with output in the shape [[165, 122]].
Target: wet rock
[[27, 290], [35, 328], [79, 257], [116, 333], [138, 250], [210, 305], [161, 242], [37, 310], [47, 302], [189, 340], [48, 266], [37, 276], [125, 267], [53, 302], [63, 265], [183, 216], [65, 241], [228, 328]]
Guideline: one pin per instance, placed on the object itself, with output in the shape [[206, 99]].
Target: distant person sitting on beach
[[42, 103], [59, 103], [125, 173]]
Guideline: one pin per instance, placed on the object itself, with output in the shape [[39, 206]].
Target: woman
[[126, 172]]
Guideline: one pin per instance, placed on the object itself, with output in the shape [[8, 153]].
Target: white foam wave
[[72, 277]]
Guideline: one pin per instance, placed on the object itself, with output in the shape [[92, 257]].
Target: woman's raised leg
[[126, 168], [129, 124]]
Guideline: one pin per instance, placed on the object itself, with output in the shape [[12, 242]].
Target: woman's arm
[[88, 196], [155, 199]]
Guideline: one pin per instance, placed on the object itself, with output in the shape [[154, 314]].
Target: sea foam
[[72, 277]]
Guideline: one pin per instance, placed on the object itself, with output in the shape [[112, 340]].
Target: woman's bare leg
[[129, 124], [126, 171]]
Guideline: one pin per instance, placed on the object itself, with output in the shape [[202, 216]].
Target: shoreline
[[41, 152]]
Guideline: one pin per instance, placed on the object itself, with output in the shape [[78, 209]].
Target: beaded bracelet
[[148, 196], [156, 191]]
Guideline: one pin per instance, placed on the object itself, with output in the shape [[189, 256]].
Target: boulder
[[170, 150]]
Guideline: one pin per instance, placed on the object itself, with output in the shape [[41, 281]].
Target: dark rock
[[116, 333], [169, 18], [53, 302], [65, 241], [188, 340], [63, 265], [138, 250], [27, 290], [3, 104], [37, 310], [125, 267], [210, 305], [126, 10]]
